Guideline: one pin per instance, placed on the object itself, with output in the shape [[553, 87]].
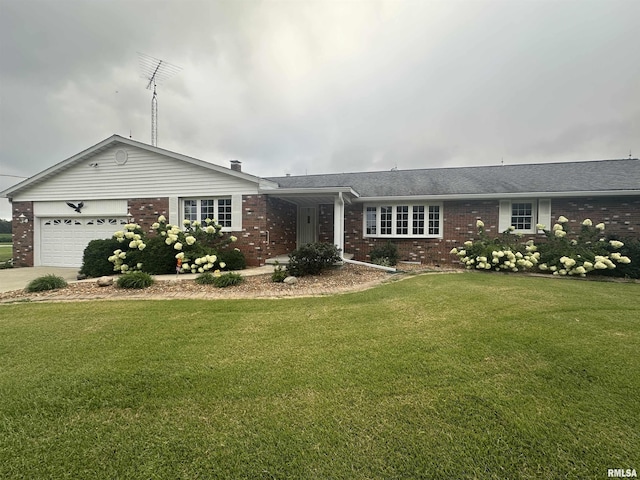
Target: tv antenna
[[155, 71]]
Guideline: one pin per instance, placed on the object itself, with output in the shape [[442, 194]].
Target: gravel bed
[[347, 278]]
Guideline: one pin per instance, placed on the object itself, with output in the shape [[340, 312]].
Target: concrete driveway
[[18, 278]]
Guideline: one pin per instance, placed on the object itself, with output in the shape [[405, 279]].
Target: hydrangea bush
[[569, 253], [502, 253], [563, 253], [194, 247]]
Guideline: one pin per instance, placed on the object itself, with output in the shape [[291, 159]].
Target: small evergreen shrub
[[220, 281], [312, 258], [46, 282], [386, 255], [233, 259], [279, 274], [137, 280], [95, 261], [227, 280]]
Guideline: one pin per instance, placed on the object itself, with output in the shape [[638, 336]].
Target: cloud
[[323, 86]]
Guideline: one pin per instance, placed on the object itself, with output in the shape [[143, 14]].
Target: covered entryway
[[307, 201], [63, 240]]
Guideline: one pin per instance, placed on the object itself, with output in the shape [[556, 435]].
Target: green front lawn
[[6, 252], [439, 376]]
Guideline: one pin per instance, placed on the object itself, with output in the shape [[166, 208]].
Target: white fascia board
[[487, 196]]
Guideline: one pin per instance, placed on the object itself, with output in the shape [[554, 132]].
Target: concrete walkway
[[19, 278]]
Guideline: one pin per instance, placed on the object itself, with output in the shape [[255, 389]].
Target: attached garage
[[63, 240]]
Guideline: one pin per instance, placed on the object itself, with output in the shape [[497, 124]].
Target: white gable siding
[[145, 174]]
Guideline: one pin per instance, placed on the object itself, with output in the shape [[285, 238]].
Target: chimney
[[236, 165]]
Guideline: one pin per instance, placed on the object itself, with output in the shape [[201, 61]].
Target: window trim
[[216, 206], [367, 210]]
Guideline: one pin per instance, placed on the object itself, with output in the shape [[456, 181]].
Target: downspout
[[338, 224]]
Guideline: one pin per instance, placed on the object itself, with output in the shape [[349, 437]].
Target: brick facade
[[23, 238], [145, 211], [621, 216], [269, 226]]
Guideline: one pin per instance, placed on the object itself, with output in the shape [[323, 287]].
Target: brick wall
[[621, 215], [22, 234], [281, 221], [325, 223], [145, 211]]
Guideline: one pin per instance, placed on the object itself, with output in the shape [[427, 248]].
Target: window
[[386, 213], [405, 220], [213, 208], [224, 212], [402, 221], [524, 215], [371, 219]]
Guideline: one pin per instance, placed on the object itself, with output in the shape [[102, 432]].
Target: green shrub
[[157, 258], [205, 278], [631, 250], [46, 282], [312, 258], [220, 281], [135, 280], [386, 255], [279, 274], [95, 259], [234, 259], [228, 280], [563, 252]]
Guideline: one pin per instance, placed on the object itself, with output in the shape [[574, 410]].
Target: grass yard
[[6, 252], [439, 376]]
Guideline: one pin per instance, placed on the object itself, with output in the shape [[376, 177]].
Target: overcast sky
[[320, 86]]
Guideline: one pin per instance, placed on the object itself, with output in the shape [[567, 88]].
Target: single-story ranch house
[[425, 212]]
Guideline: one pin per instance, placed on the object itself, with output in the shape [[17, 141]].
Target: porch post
[[338, 223]]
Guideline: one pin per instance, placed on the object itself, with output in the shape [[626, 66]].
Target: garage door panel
[[63, 240]]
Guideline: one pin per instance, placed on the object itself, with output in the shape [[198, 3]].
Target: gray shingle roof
[[591, 176]]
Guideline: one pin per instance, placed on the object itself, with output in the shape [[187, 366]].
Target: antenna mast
[[155, 71]]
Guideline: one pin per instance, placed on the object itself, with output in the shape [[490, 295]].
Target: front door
[[307, 225]]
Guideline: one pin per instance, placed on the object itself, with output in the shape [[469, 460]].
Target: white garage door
[[63, 240]]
